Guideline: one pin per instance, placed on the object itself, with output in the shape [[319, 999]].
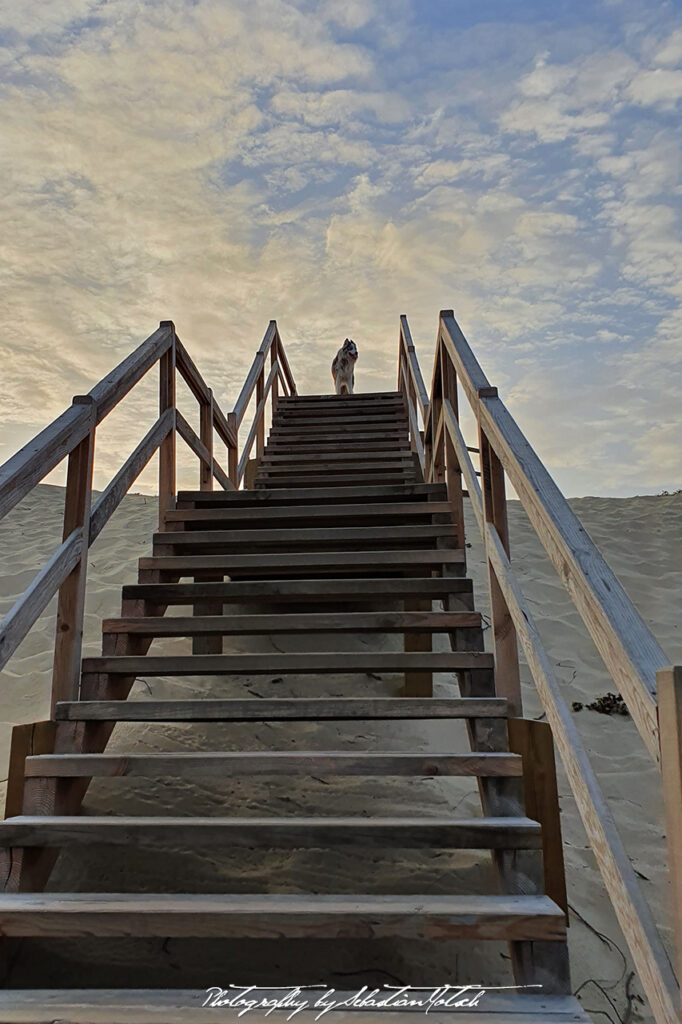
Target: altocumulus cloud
[[333, 164]]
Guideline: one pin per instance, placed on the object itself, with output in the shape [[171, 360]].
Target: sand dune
[[642, 539]]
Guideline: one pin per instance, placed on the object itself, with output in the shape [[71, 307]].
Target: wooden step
[[290, 833], [348, 447], [349, 536], [346, 410], [316, 495], [299, 591], [292, 709], [317, 622], [300, 563], [345, 468], [279, 916], [223, 764], [387, 510], [190, 1006], [342, 479], [345, 416], [275, 663], [344, 457], [331, 398], [323, 438]]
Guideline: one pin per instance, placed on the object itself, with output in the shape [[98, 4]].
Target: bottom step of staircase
[[186, 1006], [276, 916]]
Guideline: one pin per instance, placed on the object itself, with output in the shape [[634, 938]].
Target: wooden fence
[[631, 654], [73, 435]]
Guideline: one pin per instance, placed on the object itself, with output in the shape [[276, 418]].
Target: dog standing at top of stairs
[[343, 367]]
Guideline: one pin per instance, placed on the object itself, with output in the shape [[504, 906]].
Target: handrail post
[[206, 437], [71, 603], [260, 429], [274, 357], [507, 676], [453, 472], [669, 690], [167, 449], [232, 451]]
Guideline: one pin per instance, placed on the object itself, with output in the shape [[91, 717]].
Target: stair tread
[[295, 832], [298, 535], [250, 762], [276, 915], [283, 708], [313, 622], [185, 1006], [334, 662], [328, 589], [393, 509], [300, 561]]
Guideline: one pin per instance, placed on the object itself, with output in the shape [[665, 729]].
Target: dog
[[343, 366]]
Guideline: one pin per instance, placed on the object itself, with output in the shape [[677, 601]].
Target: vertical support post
[[437, 463], [167, 449], [507, 676], [206, 437], [274, 356], [453, 473], [71, 603], [232, 452], [669, 689], [260, 430], [417, 684]]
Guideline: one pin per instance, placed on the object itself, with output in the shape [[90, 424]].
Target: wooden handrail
[[257, 420], [630, 652], [72, 435], [412, 364], [627, 646]]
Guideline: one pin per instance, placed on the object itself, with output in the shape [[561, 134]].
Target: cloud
[[221, 162]]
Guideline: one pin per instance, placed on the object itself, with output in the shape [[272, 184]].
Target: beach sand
[[641, 537]]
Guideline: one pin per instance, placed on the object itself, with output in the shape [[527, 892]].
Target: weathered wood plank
[[278, 916], [301, 562], [280, 708], [670, 720], [291, 832], [317, 622], [278, 591], [38, 457], [350, 511], [38, 595], [627, 646], [381, 492], [179, 1006], [111, 497], [220, 540], [116, 385], [310, 662], [219, 764]]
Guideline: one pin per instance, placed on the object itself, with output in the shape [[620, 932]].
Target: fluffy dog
[[343, 366]]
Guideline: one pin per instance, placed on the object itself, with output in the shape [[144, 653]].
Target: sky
[[332, 165]]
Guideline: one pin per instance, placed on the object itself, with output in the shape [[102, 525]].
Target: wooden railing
[[631, 654], [73, 435]]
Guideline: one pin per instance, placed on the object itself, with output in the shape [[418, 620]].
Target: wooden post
[[260, 428], [453, 473], [232, 453], [669, 686], [274, 355], [71, 604], [507, 677], [534, 743], [167, 449], [206, 436]]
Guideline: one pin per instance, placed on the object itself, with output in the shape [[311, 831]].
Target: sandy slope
[[641, 537]]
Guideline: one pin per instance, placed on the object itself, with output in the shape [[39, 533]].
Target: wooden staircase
[[339, 536]]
